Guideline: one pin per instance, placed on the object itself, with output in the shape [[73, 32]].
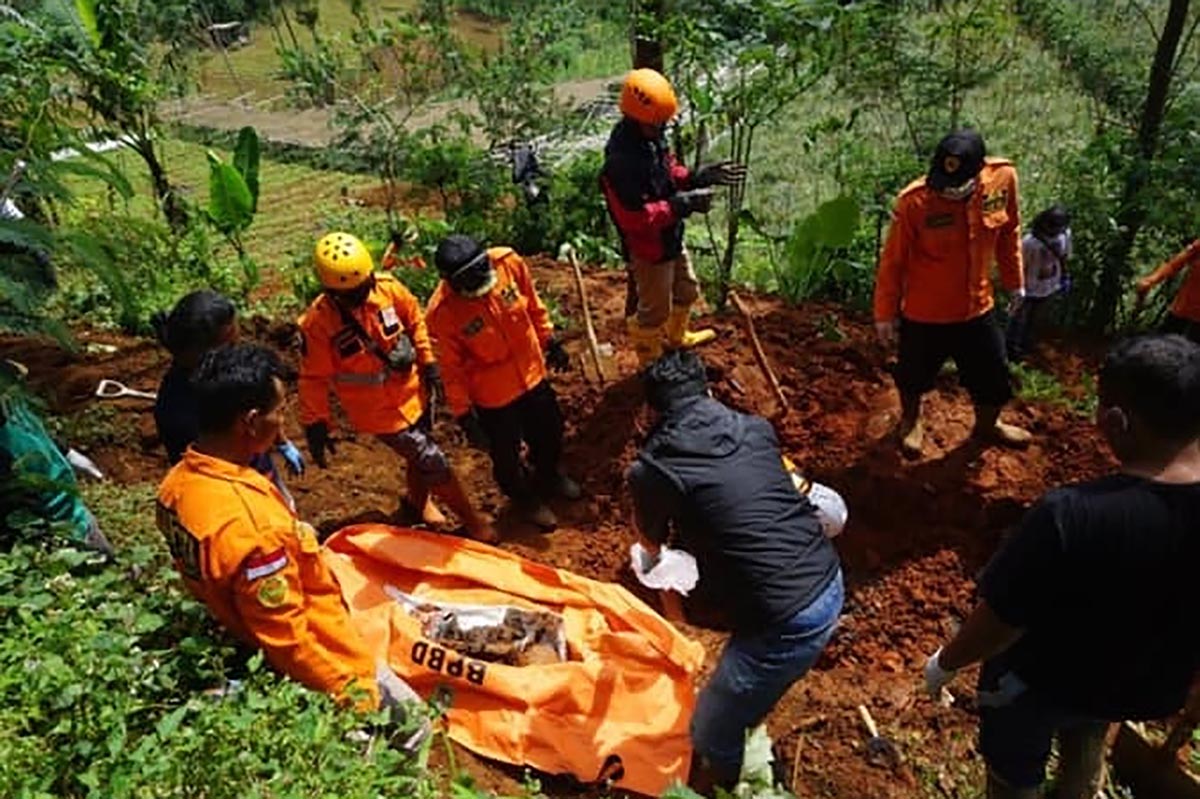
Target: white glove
[[888, 332], [936, 677], [673, 570], [397, 696], [84, 464], [1015, 300], [831, 509]]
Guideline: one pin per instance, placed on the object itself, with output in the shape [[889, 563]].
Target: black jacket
[[638, 179], [717, 475]]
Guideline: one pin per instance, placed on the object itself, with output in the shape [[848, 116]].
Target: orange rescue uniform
[[243, 553], [376, 399], [491, 348], [937, 260], [1187, 301]]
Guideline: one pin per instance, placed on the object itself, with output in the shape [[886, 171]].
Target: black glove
[[556, 355], [431, 376], [725, 173], [402, 356], [398, 240], [317, 436], [473, 430], [685, 203]]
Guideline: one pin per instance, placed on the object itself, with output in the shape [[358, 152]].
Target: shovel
[[601, 353], [880, 751], [111, 389]]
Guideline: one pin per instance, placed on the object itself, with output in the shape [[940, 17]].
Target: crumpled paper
[[672, 570]]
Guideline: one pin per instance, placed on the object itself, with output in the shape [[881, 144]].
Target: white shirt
[[1043, 269]]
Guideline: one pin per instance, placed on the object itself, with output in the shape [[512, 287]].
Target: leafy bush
[[142, 268], [115, 684]]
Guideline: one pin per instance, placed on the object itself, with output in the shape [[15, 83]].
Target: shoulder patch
[[995, 200], [272, 592], [474, 327]]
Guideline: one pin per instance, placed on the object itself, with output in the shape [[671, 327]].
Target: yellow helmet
[[343, 262], [648, 97]]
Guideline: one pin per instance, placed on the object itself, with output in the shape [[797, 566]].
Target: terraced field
[[294, 202]]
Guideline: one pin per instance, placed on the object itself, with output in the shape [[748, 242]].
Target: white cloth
[[672, 570], [10, 211], [1044, 269]]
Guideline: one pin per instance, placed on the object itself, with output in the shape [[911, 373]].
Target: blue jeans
[[1017, 727], [754, 673]]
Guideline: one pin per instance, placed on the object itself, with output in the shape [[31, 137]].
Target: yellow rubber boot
[[679, 337], [647, 343]]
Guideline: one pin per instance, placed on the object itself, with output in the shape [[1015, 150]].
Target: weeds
[[1035, 385]]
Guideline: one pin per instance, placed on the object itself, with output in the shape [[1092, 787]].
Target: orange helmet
[[648, 97]]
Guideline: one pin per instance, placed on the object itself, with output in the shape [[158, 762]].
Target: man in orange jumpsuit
[[364, 337], [494, 340], [242, 551], [1184, 317], [933, 292]]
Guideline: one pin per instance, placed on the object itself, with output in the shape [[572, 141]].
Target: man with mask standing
[[494, 341], [649, 195], [364, 338], [933, 292]]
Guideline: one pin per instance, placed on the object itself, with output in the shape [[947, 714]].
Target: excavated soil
[[918, 533]]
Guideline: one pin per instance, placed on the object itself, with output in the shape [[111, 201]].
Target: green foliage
[[142, 268], [312, 74], [1036, 385], [114, 683]]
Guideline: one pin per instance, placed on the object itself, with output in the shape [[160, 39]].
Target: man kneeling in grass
[[1086, 614]]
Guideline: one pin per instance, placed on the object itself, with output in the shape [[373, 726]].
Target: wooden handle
[[759, 355], [867, 721], [589, 329]]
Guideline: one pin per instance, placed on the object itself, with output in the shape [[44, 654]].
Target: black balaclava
[[465, 265]]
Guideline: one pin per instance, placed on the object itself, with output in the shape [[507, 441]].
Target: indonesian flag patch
[[264, 565]]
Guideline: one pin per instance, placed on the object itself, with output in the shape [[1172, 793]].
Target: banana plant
[[233, 195]]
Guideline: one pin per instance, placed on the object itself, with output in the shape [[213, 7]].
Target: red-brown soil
[[918, 531]]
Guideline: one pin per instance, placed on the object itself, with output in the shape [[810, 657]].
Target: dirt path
[[918, 531], [313, 127]]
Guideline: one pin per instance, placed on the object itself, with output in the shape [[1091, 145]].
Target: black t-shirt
[[1101, 577], [718, 476]]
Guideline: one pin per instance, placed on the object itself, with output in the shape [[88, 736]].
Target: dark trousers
[[1018, 338], [1182, 327], [535, 420], [977, 348]]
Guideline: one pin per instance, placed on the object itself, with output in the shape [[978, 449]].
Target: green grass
[[251, 70], [1033, 114], [293, 203]]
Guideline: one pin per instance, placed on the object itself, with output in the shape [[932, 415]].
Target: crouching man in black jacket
[[716, 477]]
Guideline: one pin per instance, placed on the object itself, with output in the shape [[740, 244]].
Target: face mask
[[474, 279], [959, 193]]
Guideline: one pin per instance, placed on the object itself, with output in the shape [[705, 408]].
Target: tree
[[739, 67], [119, 74], [1132, 212]]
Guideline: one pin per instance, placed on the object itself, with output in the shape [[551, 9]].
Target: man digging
[[933, 293]]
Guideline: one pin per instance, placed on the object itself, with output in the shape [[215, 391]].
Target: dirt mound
[[918, 531]]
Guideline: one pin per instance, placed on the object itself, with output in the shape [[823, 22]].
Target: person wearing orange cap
[[494, 340], [364, 338], [933, 292], [242, 551], [1184, 316], [649, 195]]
